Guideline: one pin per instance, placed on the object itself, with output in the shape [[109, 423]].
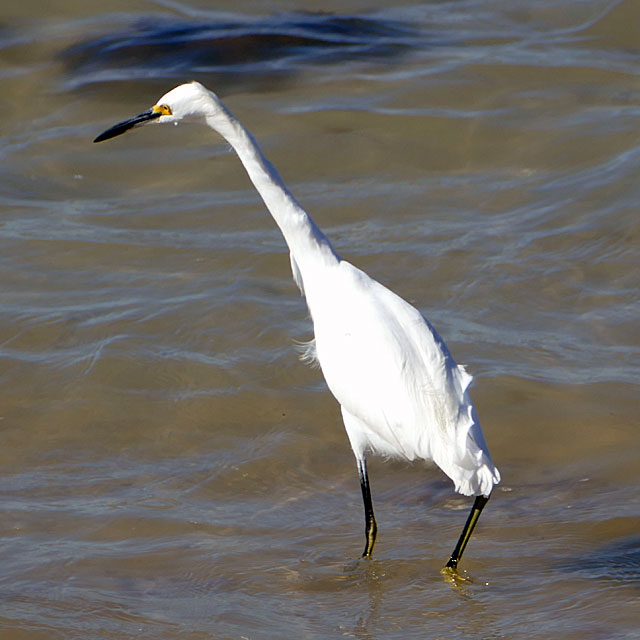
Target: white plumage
[[401, 392]]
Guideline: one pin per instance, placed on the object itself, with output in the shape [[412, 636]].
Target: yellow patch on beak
[[162, 109]]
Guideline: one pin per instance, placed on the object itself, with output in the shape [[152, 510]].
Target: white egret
[[401, 392]]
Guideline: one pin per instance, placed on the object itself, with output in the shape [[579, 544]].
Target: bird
[[401, 393]]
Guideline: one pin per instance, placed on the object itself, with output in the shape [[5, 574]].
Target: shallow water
[[169, 469]]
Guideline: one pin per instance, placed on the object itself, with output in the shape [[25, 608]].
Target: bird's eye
[[163, 109]]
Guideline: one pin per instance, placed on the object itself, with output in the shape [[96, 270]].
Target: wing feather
[[401, 391]]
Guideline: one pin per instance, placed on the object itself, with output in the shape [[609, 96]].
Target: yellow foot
[[452, 576]]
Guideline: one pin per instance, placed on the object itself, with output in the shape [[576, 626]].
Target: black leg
[[476, 510], [371, 528]]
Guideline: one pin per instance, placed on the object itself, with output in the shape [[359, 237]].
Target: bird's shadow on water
[[383, 580], [372, 572]]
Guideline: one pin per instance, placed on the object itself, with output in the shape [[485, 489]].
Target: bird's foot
[[451, 575]]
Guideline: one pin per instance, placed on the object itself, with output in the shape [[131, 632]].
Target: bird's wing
[[393, 374]]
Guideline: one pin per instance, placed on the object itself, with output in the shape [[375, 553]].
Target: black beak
[[121, 127]]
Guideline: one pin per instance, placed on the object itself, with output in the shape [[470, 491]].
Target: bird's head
[[189, 101]]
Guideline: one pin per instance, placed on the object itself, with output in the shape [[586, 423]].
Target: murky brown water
[[168, 468]]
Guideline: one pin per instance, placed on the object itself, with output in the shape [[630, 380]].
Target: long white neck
[[306, 242]]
